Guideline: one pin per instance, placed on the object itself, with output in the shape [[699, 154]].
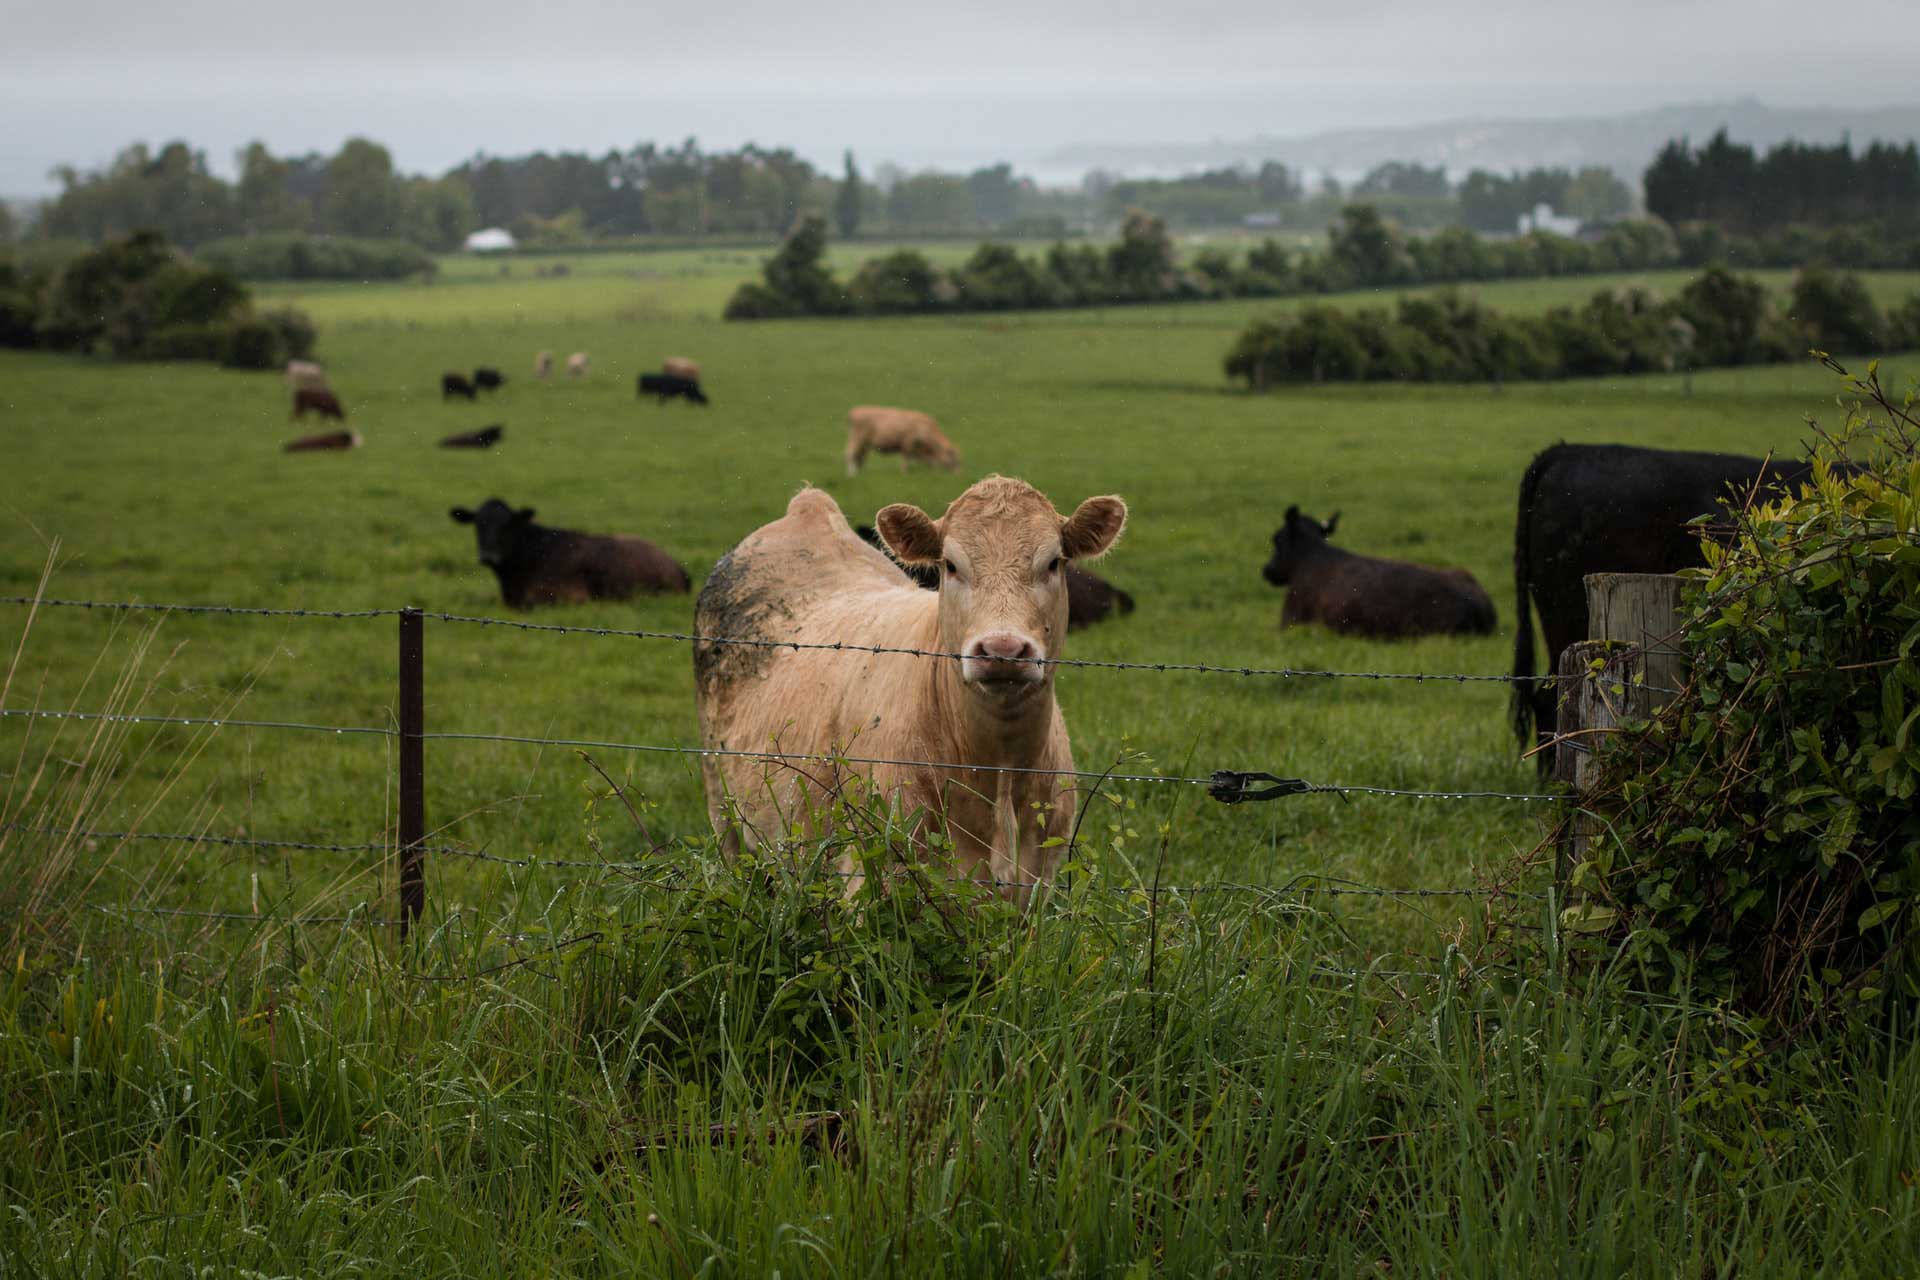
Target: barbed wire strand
[[1284, 673], [212, 722]]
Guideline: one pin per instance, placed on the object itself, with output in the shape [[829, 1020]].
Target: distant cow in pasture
[[1002, 795], [348, 439], [538, 565], [577, 365], [484, 438], [1090, 598], [1363, 595], [316, 400], [488, 379], [1608, 508], [680, 367], [543, 365], [914, 436], [454, 384], [668, 385], [305, 373]]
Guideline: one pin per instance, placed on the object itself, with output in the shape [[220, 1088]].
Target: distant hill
[[1625, 144]]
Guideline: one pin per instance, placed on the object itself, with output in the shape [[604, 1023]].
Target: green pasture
[[166, 483], [1140, 1092]]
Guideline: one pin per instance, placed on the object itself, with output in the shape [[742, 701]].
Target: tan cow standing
[[543, 365], [914, 436], [1002, 603], [577, 365]]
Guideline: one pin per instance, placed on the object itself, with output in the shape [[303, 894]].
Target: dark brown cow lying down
[[1365, 596], [538, 565], [1090, 597], [325, 440]]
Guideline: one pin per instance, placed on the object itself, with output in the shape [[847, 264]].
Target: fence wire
[[685, 637]]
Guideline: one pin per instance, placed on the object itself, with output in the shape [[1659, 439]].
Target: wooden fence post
[[413, 807], [1634, 619]]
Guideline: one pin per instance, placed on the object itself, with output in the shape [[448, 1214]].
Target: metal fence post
[[413, 807]]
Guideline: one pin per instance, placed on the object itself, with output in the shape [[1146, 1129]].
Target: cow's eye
[[948, 565], [1054, 565]]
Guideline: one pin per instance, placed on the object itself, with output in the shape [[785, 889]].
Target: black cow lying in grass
[[453, 384], [669, 385], [1608, 508], [1361, 595], [538, 565], [1090, 598], [484, 438], [488, 379], [317, 400]]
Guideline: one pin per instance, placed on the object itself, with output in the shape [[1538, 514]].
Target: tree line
[[1364, 249], [1728, 184], [1718, 319]]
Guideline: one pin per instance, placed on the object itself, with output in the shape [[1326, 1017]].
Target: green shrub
[[1762, 830], [903, 281], [293, 256], [191, 341], [1833, 312], [1903, 325], [996, 278]]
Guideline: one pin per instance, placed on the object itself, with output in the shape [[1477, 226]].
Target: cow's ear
[[524, 515], [910, 533], [461, 515], [1332, 520], [1093, 528], [1293, 518]]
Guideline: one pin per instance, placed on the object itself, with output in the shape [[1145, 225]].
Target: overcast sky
[[951, 85]]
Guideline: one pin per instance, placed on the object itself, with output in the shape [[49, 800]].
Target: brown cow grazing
[[484, 438], [807, 578], [1090, 597], [543, 365], [319, 400], [577, 365], [538, 565], [348, 439], [1361, 595], [680, 367], [914, 436], [305, 373]]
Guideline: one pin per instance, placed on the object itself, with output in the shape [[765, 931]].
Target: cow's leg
[[856, 454]]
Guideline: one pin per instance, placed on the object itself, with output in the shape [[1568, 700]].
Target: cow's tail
[[1122, 602], [1521, 704]]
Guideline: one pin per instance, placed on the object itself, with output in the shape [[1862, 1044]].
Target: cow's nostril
[[1004, 647]]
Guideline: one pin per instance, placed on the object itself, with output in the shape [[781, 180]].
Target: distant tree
[[262, 199], [363, 197], [995, 195], [1367, 249], [1143, 260], [847, 201], [1277, 184], [1596, 194], [1399, 178], [8, 227], [930, 201]]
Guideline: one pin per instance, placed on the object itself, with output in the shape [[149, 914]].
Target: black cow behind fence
[[667, 385], [1366, 595], [540, 565], [1608, 508], [488, 379], [454, 384]]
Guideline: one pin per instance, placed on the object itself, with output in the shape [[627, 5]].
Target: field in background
[[1160, 1092], [184, 496]]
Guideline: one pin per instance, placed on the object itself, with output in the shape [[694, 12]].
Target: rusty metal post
[[413, 802]]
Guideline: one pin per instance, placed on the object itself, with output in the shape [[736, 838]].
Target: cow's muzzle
[[1002, 662]]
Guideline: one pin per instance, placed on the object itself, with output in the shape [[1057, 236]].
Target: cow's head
[[946, 456], [1002, 551], [497, 527], [1298, 538]]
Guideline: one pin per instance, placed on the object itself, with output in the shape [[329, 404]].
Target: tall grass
[[730, 1069]]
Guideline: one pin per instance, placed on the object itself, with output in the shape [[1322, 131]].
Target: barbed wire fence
[[411, 847]]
